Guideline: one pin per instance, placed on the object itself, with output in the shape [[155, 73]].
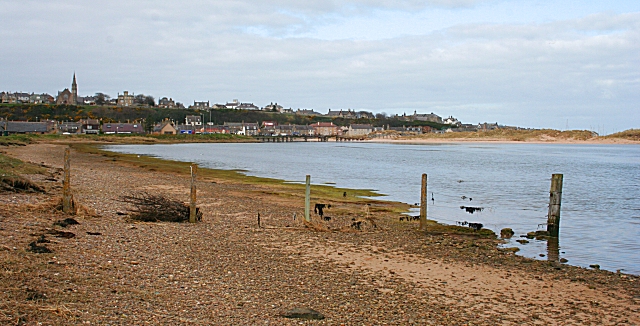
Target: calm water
[[600, 220]]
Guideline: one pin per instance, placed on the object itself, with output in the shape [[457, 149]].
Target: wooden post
[[555, 199], [192, 203], [307, 199], [423, 203], [67, 198]]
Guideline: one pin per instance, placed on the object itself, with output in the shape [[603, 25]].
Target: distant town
[[128, 113]]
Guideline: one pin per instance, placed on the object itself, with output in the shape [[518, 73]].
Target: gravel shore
[[225, 270]]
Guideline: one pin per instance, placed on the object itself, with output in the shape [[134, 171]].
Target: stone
[[303, 313], [506, 233], [595, 266]]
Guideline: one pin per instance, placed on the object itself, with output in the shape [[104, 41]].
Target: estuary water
[[600, 217]]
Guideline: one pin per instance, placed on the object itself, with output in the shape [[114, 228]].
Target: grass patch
[[631, 134], [10, 175]]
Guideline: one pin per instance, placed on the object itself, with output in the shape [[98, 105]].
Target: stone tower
[[74, 91]]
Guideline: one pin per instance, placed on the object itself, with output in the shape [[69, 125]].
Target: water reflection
[[553, 249]]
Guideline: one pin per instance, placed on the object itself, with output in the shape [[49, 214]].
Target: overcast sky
[[554, 64]]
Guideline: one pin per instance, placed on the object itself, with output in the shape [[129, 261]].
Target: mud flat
[[225, 270]]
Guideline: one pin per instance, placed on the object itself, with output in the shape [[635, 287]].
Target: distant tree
[[102, 98], [149, 100], [139, 99]]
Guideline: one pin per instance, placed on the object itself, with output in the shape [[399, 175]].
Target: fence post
[[192, 203], [67, 198], [307, 199], [423, 203], [555, 199]]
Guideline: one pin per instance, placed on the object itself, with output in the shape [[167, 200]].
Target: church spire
[[74, 90]]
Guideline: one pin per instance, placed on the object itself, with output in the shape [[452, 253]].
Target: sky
[[537, 64]]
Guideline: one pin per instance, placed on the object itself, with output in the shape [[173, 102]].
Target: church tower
[[74, 91]]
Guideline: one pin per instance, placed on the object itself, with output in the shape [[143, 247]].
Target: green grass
[[12, 167]]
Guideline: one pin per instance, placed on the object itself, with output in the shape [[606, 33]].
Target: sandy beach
[[225, 270]]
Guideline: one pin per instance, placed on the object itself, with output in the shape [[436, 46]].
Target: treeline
[[151, 115]]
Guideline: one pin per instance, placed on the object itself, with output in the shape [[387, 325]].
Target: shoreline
[[418, 141], [226, 270]]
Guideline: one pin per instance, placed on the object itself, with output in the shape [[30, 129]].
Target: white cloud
[[530, 74]]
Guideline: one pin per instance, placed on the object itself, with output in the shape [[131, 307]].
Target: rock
[[303, 313], [33, 247], [66, 222], [595, 266], [563, 260], [506, 233], [522, 241]]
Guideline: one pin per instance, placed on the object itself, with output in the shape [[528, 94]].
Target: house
[[487, 126], [234, 128], [284, 130], [359, 130], [26, 127], [232, 105], [193, 120], [303, 130], [164, 128], [248, 106], [69, 127], [325, 129], [166, 103], [6, 97], [273, 107], [250, 129], [200, 105], [90, 126], [219, 106], [342, 114], [451, 121], [216, 129], [125, 99], [122, 128], [425, 117], [268, 128], [307, 112], [364, 115]]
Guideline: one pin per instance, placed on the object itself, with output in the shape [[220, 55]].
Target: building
[[125, 99], [200, 105], [67, 96], [425, 117], [26, 127], [90, 126], [273, 107], [359, 130], [324, 129], [165, 128], [307, 112], [166, 103], [69, 127], [342, 114], [122, 128]]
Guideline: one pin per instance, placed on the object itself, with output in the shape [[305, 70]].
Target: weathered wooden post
[[423, 203], [67, 198], [555, 199], [192, 203], [307, 199]]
